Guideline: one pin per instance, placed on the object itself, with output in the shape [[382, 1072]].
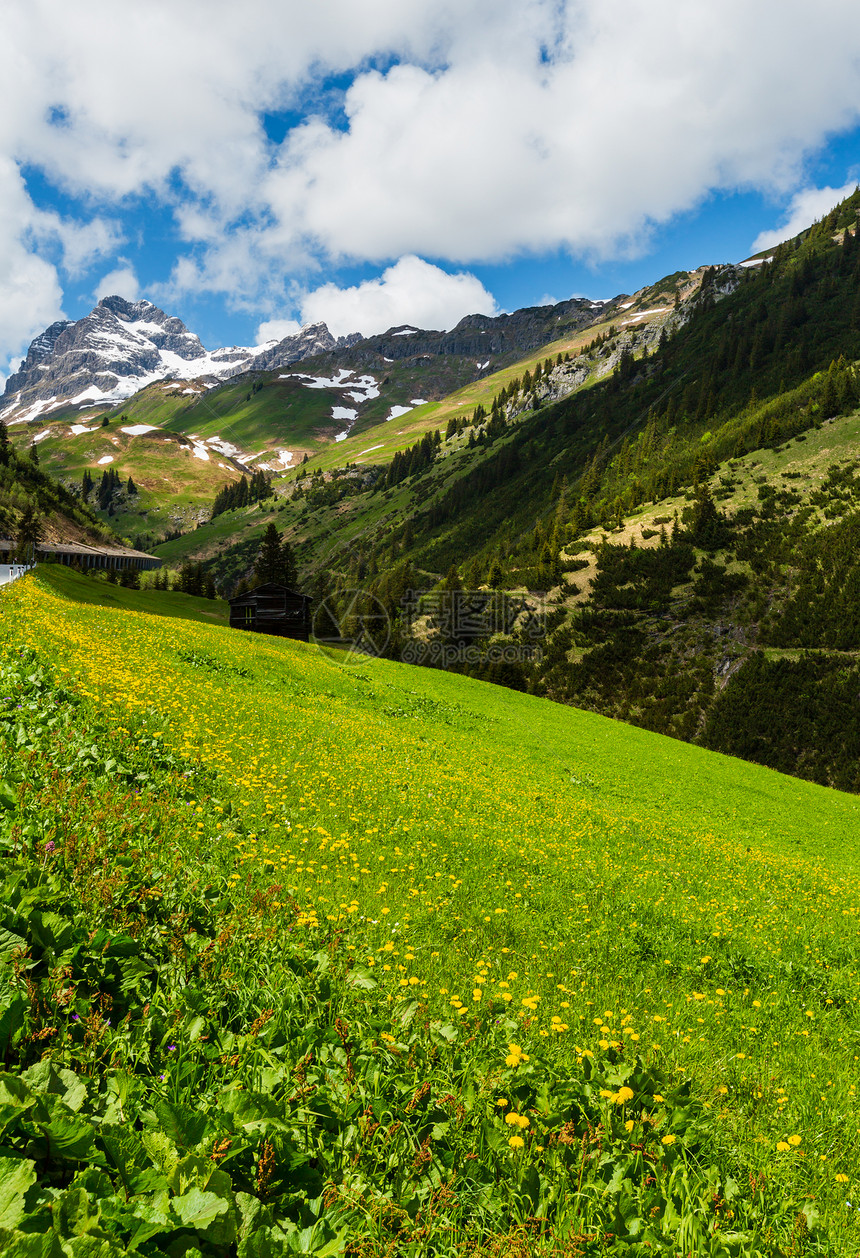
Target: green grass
[[173, 486], [95, 591], [493, 866]]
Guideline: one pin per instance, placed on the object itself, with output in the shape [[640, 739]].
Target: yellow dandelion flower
[[841, 1179], [669, 1139], [629, 1125], [795, 1140], [782, 1146], [623, 1094], [502, 1102], [516, 1142]]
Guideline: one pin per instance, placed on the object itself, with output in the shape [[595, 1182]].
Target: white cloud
[[277, 329], [539, 125], [121, 282], [30, 294], [412, 291], [805, 208]]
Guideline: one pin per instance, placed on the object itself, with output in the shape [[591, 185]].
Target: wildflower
[[622, 1095], [782, 1146], [841, 1179], [629, 1125], [502, 1102], [516, 1142], [669, 1138], [795, 1140]]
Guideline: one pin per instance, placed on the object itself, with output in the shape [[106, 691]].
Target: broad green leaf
[[50, 931], [126, 1151], [16, 1100], [9, 943], [253, 1214], [13, 1011], [265, 1242], [183, 1125], [198, 1208], [309, 1241], [406, 1012], [46, 1077], [30, 1245], [161, 1150], [68, 1136], [362, 978], [16, 1177], [94, 1247], [72, 1214], [141, 1219]]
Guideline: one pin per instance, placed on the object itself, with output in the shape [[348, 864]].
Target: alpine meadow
[[502, 902]]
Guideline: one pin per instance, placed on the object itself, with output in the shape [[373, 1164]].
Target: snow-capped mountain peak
[[122, 346]]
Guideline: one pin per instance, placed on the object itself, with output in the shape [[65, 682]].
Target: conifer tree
[[268, 565], [289, 568], [29, 533]]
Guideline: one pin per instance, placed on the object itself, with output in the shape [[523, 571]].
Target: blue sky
[[381, 164]]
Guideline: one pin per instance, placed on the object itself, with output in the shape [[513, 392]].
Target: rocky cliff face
[[484, 337], [313, 339]]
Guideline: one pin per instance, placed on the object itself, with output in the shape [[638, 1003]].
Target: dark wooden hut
[[272, 608]]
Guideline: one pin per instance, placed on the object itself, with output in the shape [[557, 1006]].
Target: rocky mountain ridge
[[484, 338], [121, 347]]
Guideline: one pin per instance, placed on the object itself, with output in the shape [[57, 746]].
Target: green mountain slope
[[696, 417], [365, 869], [28, 491], [677, 417]]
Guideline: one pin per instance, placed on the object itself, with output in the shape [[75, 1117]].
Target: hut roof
[[269, 588]]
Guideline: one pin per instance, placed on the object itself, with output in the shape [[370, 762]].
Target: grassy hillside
[[410, 961], [94, 591], [60, 515], [174, 487], [730, 430]]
